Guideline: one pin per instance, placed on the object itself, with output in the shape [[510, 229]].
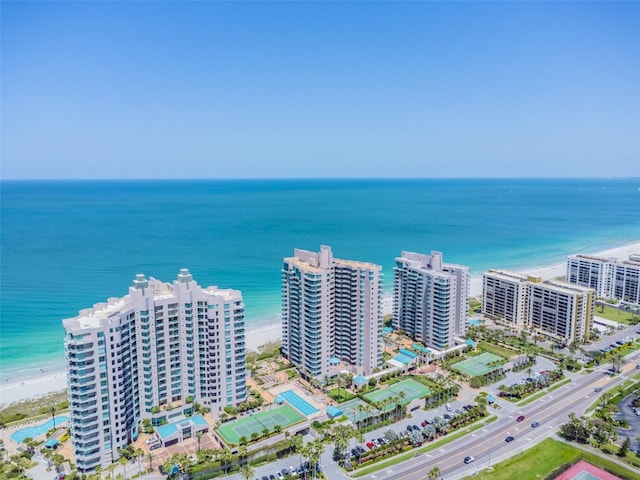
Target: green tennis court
[[284, 416], [357, 410], [411, 389], [478, 365]]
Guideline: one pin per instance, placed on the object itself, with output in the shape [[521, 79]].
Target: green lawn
[[614, 314], [496, 350], [340, 395], [542, 459]]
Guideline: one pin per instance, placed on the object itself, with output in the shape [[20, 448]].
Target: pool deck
[[12, 447], [303, 394]]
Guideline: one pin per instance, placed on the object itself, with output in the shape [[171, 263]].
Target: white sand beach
[[11, 392]]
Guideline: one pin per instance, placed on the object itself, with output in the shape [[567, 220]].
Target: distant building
[[610, 277], [430, 298], [593, 272], [331, 309], [504, 296], [560, 310], [626, 281], [150, 355]]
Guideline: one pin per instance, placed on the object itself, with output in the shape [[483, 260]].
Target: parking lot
[[627, 412]]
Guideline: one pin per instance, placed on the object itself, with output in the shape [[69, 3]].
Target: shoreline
[[53, 379]]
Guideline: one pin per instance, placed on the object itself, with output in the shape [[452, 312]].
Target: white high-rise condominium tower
[[331, 308], [609, 277], [162, 345], [430, 298], [626, 281], [592, 272]]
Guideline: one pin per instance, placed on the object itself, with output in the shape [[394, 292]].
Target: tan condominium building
[[331, 311], [504, 296], [560, 310]]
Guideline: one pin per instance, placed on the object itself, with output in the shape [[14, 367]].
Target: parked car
[[520, 418], [155, 446], [509, 439], [264, 477], [424, 423], [370, 444], [151, 440], [448, 407], [468, 459]]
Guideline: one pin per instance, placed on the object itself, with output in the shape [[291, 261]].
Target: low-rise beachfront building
[[626, 281], [560, 310], [504, 296], [430, 299], [331, 309], [150, 355], [593, 272]]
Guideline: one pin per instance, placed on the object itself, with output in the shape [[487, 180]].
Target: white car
[[151, 440]]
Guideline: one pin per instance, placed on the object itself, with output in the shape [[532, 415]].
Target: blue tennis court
[[298, 403]]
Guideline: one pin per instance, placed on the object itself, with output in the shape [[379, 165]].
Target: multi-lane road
[[488, 445]]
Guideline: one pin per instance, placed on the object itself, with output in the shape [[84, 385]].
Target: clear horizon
[[244, 90]]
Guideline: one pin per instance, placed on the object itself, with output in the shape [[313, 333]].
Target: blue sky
[[328, 89]]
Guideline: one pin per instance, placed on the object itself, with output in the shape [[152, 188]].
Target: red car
[[370, 444], [520, 418]]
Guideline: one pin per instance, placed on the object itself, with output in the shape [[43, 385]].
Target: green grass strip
[[497, 350], [386, 463], [542, 459], [542, 393]]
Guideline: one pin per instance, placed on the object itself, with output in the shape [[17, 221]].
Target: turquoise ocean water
[[66, 245]]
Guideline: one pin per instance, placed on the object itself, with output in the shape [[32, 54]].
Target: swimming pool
[[32, 432], [476, 322], [298, 403]]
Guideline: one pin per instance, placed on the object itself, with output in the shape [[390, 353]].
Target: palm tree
[[317, 447], [247, 472], [150, 457], [199, 437], [242, 453], [123, 461], [52, 410], [341, 435], [225, 458], [616, 361], [111, 468], [137, 454], [434, 473]]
